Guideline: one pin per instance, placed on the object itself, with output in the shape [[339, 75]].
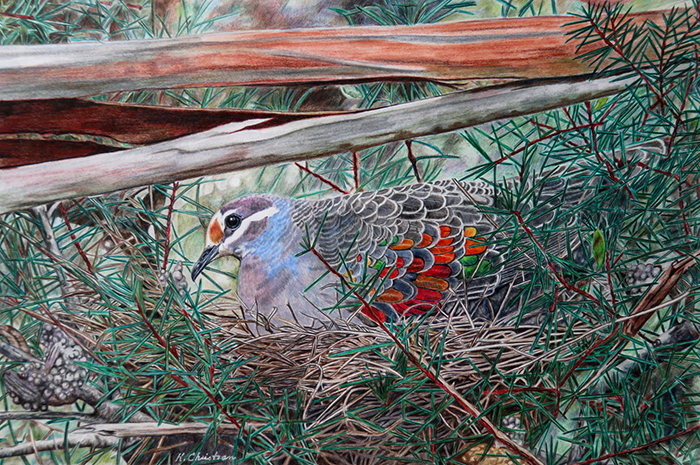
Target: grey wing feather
[[353, 232]]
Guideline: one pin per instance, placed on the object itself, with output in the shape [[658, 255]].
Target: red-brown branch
[[414, 161], [587, 354], [570, 287], [656, 170], [356, 169], [324, 180], [16, 16], [551, 266], [661, 73], [616, 48], [552, 128], [379, 318], [81, 252], [687, 182], [524, 389], [553, 307], [684, 217], [682, 108], [609, 275], [594, 149], [639, 448], [167, 252], [128, 5], [601, 121], [677, 123], [690, 28], [543, 138]]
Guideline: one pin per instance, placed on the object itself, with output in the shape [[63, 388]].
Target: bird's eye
[[232, 221]]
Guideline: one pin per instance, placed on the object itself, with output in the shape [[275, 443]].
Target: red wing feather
[[433, 284]]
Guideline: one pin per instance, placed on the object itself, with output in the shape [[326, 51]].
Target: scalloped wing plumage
[[414, 248]]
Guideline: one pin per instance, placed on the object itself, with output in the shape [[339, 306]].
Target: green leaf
[[598, 247], [600, 103]]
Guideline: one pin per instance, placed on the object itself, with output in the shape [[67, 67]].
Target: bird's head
[[235, 229]]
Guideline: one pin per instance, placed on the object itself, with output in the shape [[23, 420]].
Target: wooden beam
[[258, 142], [491, 49]]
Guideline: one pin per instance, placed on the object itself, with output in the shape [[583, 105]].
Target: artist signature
[[196, 457]]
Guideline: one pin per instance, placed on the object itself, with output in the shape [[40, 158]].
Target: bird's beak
[[210, 254]]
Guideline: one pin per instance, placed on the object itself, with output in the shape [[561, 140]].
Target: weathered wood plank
[[502, 48], [259, 142]]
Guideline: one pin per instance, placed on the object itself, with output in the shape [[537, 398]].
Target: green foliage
[[57, 21], [394, 13], [387, 165], [23, 22], [649, 212], [579, 393]]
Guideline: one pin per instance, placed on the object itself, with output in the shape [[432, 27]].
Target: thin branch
[[616, 48], [149, 429], [16, 16], [584, 357], [413, 160], [42, 214], [170, 349], [551, 266], [324, 180], [356, 170], [53, 251], [594, 149], [684, 101], [81, 252], [543, 138], [46, 416], [96, 441], [109, 410], [639, 448]]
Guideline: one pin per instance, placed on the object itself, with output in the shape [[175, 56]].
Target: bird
[[395, 253]]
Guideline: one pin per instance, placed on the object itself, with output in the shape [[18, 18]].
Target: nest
[[344, 393]]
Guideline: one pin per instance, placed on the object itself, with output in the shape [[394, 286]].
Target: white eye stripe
[[262, 214], [268, 212]]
